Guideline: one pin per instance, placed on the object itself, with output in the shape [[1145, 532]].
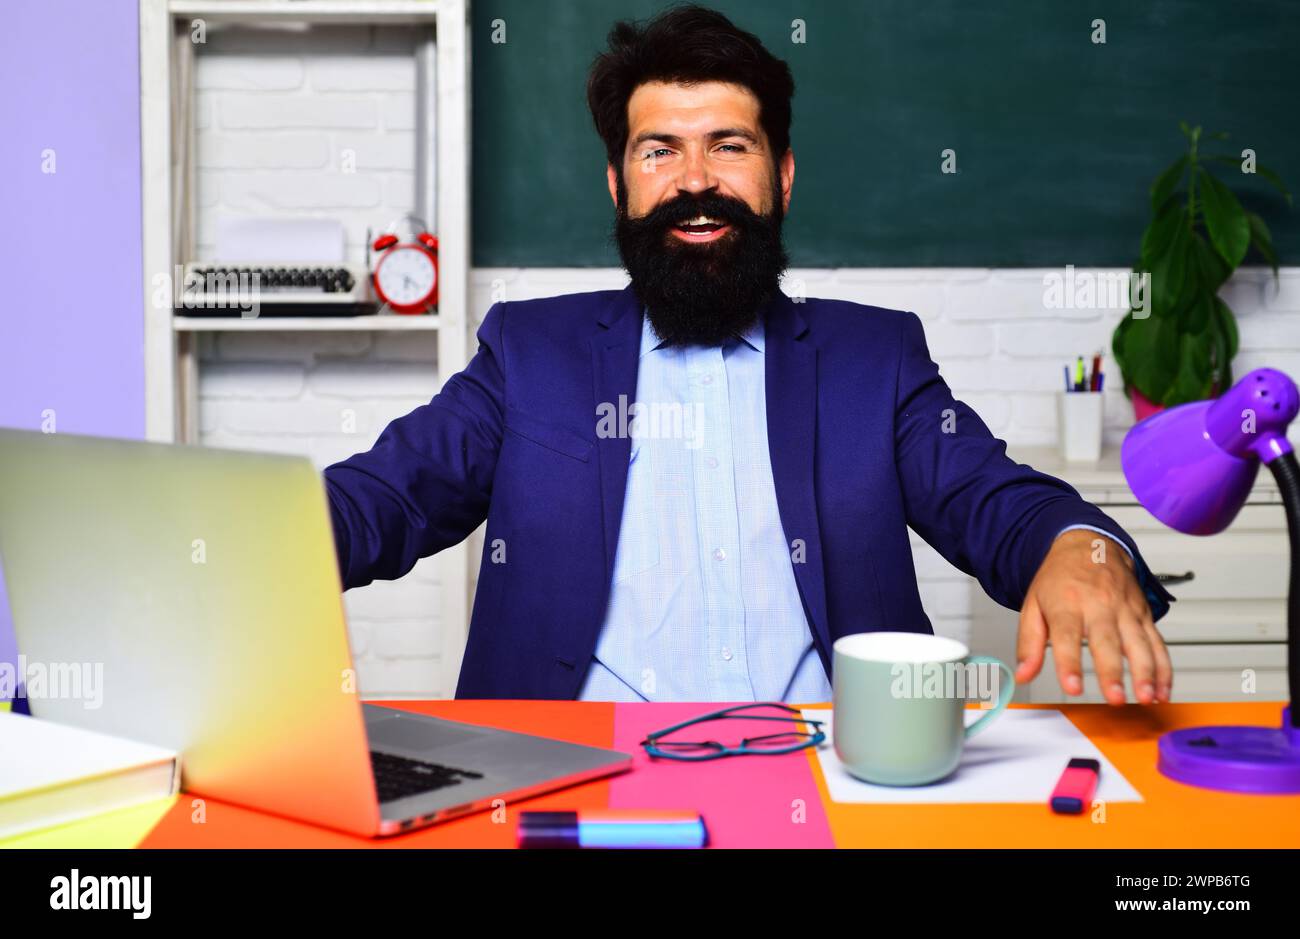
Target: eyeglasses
[[787, 741]]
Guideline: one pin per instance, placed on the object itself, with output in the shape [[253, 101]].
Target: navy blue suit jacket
[[865, 438]]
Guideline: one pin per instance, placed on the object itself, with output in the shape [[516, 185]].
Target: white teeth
[[702, 220]]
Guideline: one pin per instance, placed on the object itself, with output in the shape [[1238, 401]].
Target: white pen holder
[[1079, 419]]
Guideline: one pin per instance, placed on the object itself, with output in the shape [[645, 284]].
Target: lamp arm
[[1286, 471]]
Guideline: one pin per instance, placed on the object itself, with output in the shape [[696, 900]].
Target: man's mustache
[[683, 208]]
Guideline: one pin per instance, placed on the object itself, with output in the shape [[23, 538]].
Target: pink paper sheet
[[746, 801]]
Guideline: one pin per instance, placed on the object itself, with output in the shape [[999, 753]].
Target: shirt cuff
[[1099, 531]]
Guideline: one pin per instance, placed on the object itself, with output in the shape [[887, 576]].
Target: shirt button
[[707, 379], [719, 554], [726, 653], [713, 462]]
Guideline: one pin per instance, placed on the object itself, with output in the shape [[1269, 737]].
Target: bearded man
[[717, 557]]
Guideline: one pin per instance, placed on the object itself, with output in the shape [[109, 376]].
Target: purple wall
[[71, 311]]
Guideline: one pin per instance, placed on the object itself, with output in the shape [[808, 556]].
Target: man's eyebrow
[[713, 135]]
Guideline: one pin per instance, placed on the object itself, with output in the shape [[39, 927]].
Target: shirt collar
[[753, 337]]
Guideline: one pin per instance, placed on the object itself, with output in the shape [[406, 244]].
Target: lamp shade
[[1193, 466]]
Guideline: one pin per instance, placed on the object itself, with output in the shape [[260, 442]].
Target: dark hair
[[687, 45]]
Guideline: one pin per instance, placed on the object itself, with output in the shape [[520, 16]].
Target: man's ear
[[786, 170], [611, 177]]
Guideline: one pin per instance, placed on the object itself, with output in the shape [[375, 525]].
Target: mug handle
[[1004, 698]]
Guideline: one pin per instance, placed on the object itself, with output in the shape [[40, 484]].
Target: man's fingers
[[1141, 657], [1107, 654], [1164, 665], [1031, 641], [1077, 597], [1066, 629]]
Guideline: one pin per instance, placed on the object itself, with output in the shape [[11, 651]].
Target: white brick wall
[[284, 132]]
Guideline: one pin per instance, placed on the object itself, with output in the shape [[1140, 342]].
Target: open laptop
[[206, 585]]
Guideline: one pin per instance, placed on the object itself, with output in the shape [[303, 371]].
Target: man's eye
[[734, 147], [655, 153]]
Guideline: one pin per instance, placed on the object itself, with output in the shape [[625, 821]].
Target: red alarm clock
[[406, 273]]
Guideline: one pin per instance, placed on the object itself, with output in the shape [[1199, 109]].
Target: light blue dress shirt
[[704, 604]]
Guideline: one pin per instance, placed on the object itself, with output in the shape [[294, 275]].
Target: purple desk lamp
[[1192, 467]]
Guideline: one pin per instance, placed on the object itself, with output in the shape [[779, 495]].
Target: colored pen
[[612, 828]]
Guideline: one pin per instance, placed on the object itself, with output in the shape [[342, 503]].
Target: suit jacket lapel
[[791, 385], [615, 354]]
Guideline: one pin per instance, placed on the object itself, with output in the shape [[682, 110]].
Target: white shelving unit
[[167, 184]]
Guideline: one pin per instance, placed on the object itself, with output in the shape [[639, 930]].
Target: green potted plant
[[1178, 345]]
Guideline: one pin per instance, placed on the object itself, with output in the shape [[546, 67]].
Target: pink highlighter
[[1075, 789]]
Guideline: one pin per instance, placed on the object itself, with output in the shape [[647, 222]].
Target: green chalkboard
[[1056, 137]]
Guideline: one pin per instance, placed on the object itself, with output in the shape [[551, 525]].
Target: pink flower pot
[[1143, 407]]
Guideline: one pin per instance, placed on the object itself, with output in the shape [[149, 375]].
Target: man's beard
[[702, 294]]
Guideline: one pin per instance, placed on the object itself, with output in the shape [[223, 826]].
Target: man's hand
[[1086, 588]]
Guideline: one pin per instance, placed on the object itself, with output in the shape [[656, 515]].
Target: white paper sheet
[[1017, 758], [270, 239]]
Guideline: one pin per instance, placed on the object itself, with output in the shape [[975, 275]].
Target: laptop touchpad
[[409, 734]]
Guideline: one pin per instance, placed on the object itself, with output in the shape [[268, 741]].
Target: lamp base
[[1259, 760]]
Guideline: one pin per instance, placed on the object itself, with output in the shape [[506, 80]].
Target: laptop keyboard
[[396, 777]]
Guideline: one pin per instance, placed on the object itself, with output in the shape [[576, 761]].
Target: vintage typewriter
[[255, 290]]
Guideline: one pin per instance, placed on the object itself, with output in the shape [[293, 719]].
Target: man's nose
[[696, 177]]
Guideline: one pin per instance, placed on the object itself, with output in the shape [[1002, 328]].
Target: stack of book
[[51, 773]]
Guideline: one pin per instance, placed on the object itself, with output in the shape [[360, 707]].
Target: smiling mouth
[[701, 228]]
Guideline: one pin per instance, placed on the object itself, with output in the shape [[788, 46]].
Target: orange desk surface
[[787, 805]]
